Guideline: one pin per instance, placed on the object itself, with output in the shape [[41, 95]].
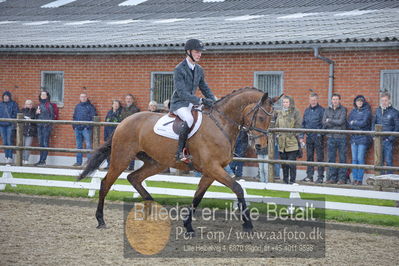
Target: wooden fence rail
[[377, 167]]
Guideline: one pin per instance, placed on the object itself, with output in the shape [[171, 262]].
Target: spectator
[[276, 152], [359, 119], [8, 109], [84, 111], [153, 107], [313, 119], [288, 146], [166, 106], [263, 170], [263, 167], [277, 166], [239, 151], [335, 118], [130, 108], [113, 115], [30, 129], [388, 117], [45, 111]]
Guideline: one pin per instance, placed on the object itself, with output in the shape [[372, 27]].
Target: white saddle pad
[[164, 127]]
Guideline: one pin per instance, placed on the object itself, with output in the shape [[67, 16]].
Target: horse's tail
[[97, 159]]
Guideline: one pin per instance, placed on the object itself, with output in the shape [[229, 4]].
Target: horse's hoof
[[247, 227], [190, 234], [101, 226]]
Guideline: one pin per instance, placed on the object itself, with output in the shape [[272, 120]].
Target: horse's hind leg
[[106, 183], [150, 167], [203, 186]]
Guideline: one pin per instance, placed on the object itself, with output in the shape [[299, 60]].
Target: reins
[[241, 125]]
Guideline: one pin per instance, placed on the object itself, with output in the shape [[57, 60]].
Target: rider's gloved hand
[[207, 102]]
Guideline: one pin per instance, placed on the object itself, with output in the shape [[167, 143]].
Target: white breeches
[[185, 114]]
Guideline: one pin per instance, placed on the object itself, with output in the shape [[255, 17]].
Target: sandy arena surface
[[41, 230]]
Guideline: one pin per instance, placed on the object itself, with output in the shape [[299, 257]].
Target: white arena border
[[295, 189]]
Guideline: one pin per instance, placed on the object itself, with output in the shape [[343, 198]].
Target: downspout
[[330, 74]]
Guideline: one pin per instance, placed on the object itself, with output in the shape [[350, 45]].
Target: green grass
[[340, 216], [346, 199]]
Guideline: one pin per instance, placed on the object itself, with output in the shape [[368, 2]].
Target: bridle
[[252, 126], [246, 128]]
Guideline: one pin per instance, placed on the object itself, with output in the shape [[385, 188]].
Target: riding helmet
[[194, 44]]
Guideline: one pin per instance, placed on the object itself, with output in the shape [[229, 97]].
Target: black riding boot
[[183, 134]]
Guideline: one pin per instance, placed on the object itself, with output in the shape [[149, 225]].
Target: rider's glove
[[207, 102]]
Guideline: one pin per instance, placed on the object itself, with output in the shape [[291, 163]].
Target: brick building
[[114, 47]]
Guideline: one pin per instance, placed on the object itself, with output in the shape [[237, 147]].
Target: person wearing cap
[[387, 116], [8, 109], [188, 76], [359, 119]]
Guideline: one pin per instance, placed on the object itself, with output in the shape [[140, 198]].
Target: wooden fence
[[377, 167]]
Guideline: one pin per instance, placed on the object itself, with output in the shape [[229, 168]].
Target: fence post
[[19, 139], [270, 152], [96, 133], [377, 149]]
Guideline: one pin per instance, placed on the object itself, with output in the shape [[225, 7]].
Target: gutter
[[330, 73], [175, 48]]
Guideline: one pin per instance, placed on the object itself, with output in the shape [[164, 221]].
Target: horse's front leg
[[221, 176], [203, 185]]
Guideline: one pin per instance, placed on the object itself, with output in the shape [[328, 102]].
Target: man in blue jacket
[[8, 109], [84, 111], [388, 117], [188, 76], [313, 119]]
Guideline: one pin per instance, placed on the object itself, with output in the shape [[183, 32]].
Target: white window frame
[[153, 84], [280, 73], [394, 100], [59, 103]]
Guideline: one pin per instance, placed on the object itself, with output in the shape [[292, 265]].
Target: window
[[271, 82], [161, 86], [390, 82], [53, 82]]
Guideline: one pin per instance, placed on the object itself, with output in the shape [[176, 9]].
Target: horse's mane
[[235, 92]]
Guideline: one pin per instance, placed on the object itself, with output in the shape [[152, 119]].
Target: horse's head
[[257, 118]]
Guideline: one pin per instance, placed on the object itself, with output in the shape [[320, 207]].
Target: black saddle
[[177, 123]]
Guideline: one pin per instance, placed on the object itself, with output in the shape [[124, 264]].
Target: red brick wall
[[110, 77]]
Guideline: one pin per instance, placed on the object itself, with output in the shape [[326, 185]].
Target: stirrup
[[184, 156]]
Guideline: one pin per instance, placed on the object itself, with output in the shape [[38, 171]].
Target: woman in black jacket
[[30, 130], [113, 115], [359, 119]]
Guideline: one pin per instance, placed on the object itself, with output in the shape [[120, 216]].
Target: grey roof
[[271, 24]]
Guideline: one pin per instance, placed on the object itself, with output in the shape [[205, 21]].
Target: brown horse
[[211, 148]]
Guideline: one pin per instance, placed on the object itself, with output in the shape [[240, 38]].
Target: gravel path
[[41, 230]]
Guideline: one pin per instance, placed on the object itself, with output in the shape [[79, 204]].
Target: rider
[[188, 76]]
